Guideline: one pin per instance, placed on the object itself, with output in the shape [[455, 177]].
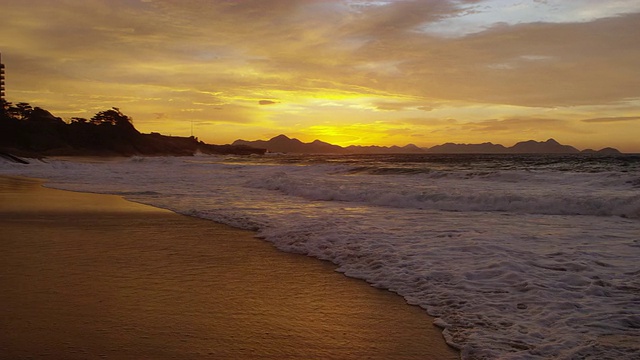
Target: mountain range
[[284, 144]]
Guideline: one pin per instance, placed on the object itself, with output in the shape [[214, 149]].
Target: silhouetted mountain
[[36, 132], [407, 149], [359, 149], [325, 148], [412, 148], [484, 148], [604, 151], [284, 144], [547, 147]]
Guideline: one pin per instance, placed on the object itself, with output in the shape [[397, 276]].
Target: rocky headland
[[27, 132]]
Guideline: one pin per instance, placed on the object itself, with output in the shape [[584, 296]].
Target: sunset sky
[[347, 72]]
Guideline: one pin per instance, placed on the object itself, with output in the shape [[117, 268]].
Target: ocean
[[516, 256]]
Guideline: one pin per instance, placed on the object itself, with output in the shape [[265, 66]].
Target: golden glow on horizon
[[352, 134], [388, 73]]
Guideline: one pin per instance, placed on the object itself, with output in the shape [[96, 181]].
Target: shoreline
[[96, 276]]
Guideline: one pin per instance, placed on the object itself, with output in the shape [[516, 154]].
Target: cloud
[[482, 15], [523, 125], [373, 47], [612, 119], [163, 56], [399, 105], [543, 64]]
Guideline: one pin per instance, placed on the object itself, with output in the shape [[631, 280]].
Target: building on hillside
[[1, 79]]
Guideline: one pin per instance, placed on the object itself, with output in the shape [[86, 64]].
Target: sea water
[[517, 256]]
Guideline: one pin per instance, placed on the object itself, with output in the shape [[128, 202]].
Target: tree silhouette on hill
[[113, 117], [33, 131]]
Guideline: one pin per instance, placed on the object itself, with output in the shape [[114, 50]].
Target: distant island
[[284, 144], [35, 132]]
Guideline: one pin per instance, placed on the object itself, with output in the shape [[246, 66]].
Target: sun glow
[[350, 73]]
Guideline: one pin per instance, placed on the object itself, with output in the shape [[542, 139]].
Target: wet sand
[[86, 276]]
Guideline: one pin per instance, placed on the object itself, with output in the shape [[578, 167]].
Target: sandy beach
[[87, 276]]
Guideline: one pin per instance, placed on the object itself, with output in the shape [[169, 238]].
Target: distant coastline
[[35, 132], [284, 144]]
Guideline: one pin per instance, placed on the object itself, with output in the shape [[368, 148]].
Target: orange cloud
[[266, 102], [330, 63]]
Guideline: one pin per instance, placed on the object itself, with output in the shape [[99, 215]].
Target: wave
[[503, 279], [470, 191]]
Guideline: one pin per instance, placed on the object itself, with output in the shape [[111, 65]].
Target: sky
[[349, 72]]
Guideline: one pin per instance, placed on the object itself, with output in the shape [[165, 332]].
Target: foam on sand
[[530, 257], [95, 276]]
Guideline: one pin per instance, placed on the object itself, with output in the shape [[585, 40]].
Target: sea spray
[[517, 257]]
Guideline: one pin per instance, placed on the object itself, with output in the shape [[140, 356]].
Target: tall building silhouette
[[1, 79]]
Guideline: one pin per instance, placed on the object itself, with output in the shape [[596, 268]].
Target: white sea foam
[[514, 263]]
